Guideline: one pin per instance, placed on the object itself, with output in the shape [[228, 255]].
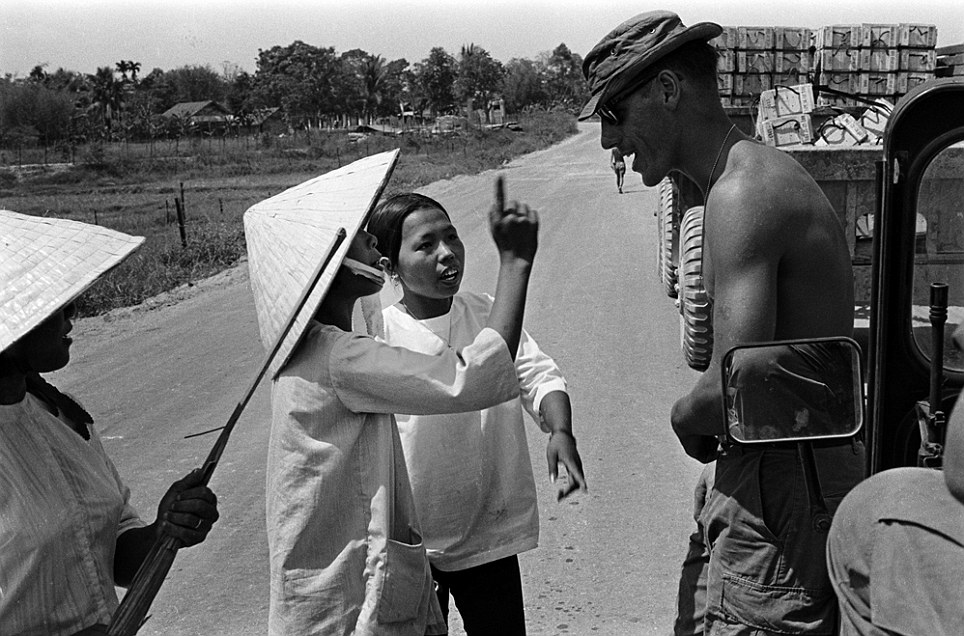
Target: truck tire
[[696, 326], [665, 263], [661, 197]]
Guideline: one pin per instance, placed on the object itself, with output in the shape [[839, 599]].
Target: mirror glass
[[939, 250], [793, 391]]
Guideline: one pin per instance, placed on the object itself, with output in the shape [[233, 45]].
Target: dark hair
[[695, 60], [386, 222]]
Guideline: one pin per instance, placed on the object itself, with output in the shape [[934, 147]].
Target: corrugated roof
[[190, 109]]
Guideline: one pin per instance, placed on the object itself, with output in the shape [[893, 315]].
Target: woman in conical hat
[[345, 547], [68, 533]]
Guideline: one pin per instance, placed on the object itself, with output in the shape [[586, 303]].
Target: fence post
[[179, 208], [167, 213]]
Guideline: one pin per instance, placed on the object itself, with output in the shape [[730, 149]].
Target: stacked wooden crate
[[836, 50], [872, 61], [792, 57], [754, 64], [860, 69], [950, 61], [917, 56], [725, 45], [755, 59], [783, 118]]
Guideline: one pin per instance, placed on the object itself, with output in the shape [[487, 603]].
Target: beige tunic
[[470, 472], [346, 555]]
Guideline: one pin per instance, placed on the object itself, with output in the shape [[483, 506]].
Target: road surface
[[607, 561]]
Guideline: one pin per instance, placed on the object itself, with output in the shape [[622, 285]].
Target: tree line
[[313, 86]]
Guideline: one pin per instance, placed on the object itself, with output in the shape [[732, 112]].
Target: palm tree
[[108, 94], [373, 79], [128, 66], [122, 68]]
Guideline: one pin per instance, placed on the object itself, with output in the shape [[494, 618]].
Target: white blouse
[[346, 553], [62, 507], [471, 475]]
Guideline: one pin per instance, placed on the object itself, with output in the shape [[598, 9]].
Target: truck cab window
[[939, 248]]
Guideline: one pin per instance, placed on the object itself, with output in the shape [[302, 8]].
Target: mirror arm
[[819, 515]]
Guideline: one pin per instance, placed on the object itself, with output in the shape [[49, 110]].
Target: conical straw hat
[[289, 234], [45, 263]]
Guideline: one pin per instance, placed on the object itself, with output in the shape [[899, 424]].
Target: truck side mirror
[[792, 391]]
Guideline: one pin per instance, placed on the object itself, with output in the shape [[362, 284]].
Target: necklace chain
[[709, 180]]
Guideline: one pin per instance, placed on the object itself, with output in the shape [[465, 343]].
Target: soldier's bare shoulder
[[762, 178]]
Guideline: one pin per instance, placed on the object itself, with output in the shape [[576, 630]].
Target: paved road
[[607, 561]]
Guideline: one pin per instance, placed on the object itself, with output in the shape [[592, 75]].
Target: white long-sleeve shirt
[[346, 555], [62, 507], [470, 472]]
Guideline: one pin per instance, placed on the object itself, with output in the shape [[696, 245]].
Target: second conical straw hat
[[47, 262], [289, 234]]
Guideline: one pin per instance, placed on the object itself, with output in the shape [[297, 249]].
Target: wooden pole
[[179, 207]]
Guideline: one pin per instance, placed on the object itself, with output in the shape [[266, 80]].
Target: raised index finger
[[500, 194]]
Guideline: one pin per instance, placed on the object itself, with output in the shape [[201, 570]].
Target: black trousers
[[488, 596]]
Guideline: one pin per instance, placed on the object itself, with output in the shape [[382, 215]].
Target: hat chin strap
[[371, 273]]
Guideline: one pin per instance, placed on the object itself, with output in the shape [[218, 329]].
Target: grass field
[[133, 187]]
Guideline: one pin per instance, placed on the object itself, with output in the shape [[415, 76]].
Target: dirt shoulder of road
[[123, 319]]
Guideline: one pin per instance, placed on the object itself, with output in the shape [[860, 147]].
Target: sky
[[81, 35]]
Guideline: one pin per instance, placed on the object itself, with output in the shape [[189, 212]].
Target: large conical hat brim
[[45, 263], [289, 235]]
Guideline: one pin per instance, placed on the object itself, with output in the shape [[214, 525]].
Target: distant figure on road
[[619, 167], [68, 534], [776, 266], [471, 474]]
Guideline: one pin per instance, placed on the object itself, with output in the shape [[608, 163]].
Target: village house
[[203, 117]]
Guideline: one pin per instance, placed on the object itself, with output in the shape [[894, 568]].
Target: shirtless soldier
[[776, 266]]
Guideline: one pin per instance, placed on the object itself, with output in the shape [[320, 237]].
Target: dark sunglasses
[[607, 114]]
